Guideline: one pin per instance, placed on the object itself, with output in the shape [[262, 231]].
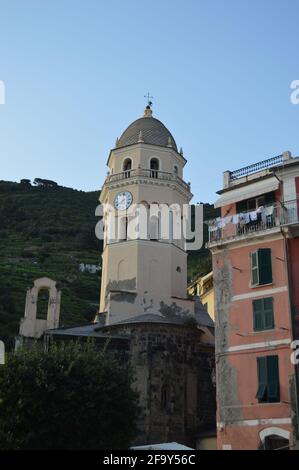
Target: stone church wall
[[174, 375]]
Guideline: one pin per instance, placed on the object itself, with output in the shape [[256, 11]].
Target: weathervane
[[149, 98]]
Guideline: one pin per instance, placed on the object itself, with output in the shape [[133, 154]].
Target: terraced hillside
[[49, 231]]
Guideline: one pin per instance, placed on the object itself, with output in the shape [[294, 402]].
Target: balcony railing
[[147, 173], [246, 223], [248, 170]]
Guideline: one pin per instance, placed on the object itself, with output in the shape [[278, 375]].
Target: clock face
[[123, 200]]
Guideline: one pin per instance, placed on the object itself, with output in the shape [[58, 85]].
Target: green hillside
[[49, 231]]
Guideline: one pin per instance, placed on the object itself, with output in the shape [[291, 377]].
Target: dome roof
[[148, 130]]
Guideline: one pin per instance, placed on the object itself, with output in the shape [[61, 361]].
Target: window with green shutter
[[261, 267], [254, 268], [265, 266], [263, 316], [262, 379], [268, 379], [273, 379]]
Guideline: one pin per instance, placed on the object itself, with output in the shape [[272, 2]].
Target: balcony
[[147, 174], [245, 224], [248, 170]]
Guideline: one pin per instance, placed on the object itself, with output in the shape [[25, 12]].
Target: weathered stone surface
[[174, 375], [173, 370]]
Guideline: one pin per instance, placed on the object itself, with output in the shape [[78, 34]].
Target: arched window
[[176, 170], [275, 442], [154, 166], [122, 269], [154, 227], [122, 228], [127, 166], [274, 439], [143, 220], [42, 304]]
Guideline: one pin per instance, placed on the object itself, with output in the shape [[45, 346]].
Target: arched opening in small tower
[[127, 166], [42, 304], [154, 166], [175, 170]]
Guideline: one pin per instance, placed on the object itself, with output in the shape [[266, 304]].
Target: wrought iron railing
[[147, 173], [290, 212], [247, 170], [246, 223]]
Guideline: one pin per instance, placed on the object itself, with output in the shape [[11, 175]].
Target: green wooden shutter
[[265, 266], [258, 321], [254, 268], [268, 313], [273, 378], [261, 394], [263, 317]]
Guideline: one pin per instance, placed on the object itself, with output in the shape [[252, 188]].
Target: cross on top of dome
[[149, 100]]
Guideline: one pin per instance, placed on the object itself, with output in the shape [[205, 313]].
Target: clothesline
[[242, 218]]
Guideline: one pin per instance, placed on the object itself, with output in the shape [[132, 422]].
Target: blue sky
[[76, 73]]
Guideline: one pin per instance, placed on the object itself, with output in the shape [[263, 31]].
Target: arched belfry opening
[[42, 308], [154, 167], [127, 166]]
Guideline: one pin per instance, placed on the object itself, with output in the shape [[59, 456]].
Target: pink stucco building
[[255, 249]]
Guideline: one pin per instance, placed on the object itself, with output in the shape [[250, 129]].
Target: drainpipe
[[286, 256]]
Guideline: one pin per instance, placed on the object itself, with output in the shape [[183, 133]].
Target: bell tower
[[148, 273]]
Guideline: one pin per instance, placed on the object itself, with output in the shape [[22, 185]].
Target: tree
[[45, 183], [25, 182], [72, 396]]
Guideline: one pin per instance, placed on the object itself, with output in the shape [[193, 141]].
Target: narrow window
[[254, 268], [154, 165], [268, 379], [42, 304], [127, 166], [263, 316], [265, 265], [261, 267], [122, 228], [164, 398], [154, 227]]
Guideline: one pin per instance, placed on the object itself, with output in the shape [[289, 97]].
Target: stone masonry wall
[[174, 374]]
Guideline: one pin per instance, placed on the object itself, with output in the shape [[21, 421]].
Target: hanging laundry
[[236, 218], [220, 223], [227, 219], [245, 218], [212, 228], [253, 216], [269, 210]]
